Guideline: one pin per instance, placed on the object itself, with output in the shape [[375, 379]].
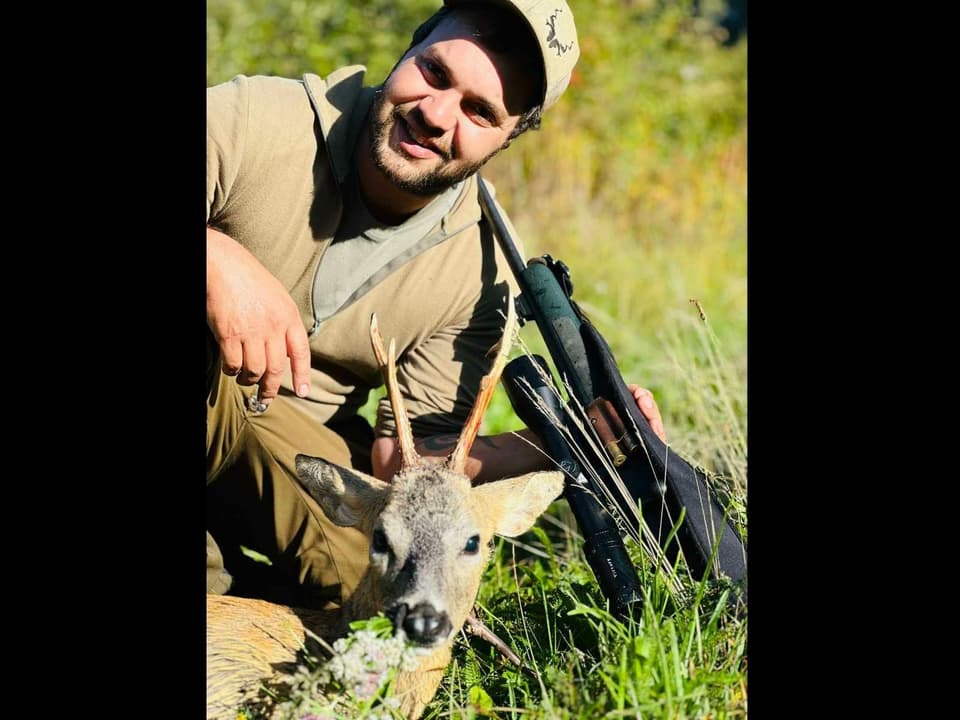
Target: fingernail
[[304, 390]]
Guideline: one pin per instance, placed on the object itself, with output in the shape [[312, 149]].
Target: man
[[328, 201]]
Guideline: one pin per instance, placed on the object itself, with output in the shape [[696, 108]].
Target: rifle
[[681, 512]]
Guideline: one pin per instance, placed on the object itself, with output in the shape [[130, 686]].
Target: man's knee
[[218, 579], [254, 502]]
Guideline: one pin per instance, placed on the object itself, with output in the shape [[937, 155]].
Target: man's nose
[[439, 111]]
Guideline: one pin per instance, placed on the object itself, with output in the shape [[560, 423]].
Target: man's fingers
[[231, 352], [276, 355], [656, 424], [254, 363], [298, 350], [648, 406], [264, 363]]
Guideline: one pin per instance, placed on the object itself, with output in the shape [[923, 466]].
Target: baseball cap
[[551, 22]]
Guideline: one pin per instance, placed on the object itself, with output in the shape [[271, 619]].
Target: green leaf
[[255, 556], [379, 624], [480, 700]]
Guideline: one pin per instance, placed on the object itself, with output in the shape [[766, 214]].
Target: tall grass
[[684, 656], [580, 662]]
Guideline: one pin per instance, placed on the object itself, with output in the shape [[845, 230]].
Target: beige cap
[[552, 23]]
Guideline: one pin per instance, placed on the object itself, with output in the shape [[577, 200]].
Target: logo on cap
[[552, 39]]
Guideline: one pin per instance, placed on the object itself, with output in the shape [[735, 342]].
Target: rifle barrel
[[489, 208]]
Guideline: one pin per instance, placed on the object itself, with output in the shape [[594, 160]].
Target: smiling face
[[449, 105]]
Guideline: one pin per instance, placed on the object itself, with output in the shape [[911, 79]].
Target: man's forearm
[[492, 456]]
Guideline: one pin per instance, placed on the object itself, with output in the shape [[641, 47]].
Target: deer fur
[[430, 534]]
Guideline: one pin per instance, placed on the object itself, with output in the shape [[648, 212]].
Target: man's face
[[447, 108]]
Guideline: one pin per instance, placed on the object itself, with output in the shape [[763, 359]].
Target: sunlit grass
[[683, 660]]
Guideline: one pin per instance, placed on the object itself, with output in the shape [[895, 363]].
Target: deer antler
[[388, 368], [457, 459]]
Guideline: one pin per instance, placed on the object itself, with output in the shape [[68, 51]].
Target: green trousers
[[266, 537]]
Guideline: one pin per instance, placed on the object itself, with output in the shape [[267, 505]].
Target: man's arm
[[254, 320], [493, 457]]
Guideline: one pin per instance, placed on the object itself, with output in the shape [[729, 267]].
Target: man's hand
[[648, 406], [254, 320]]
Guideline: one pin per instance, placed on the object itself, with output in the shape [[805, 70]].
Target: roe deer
[[430, 533]]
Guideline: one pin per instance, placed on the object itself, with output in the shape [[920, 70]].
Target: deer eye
[[379, 544], [472, 546]]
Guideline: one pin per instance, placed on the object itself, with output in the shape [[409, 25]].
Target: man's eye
[[472, 546], [482, 113], [434, 70]]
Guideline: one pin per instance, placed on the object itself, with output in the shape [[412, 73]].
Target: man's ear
[[516, 503], [349, 497]]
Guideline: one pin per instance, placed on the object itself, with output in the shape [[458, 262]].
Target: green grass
[[637, 181], [685, 656], [686, 662]]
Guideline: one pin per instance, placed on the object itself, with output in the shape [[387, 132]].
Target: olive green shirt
[[279, 154]]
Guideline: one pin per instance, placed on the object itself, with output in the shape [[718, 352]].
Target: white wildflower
[[355, 678]]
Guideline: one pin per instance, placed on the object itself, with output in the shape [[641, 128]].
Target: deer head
[[430, 530]]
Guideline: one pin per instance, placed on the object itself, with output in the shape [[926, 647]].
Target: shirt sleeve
[[227, 117]]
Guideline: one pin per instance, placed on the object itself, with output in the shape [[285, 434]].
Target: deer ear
[[349, 498], [516, 503]]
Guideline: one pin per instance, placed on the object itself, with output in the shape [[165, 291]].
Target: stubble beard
[[424, 183]]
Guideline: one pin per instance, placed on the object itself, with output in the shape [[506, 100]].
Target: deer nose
[[424, 625]]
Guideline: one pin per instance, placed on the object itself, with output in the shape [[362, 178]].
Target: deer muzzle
[[422, 624]]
